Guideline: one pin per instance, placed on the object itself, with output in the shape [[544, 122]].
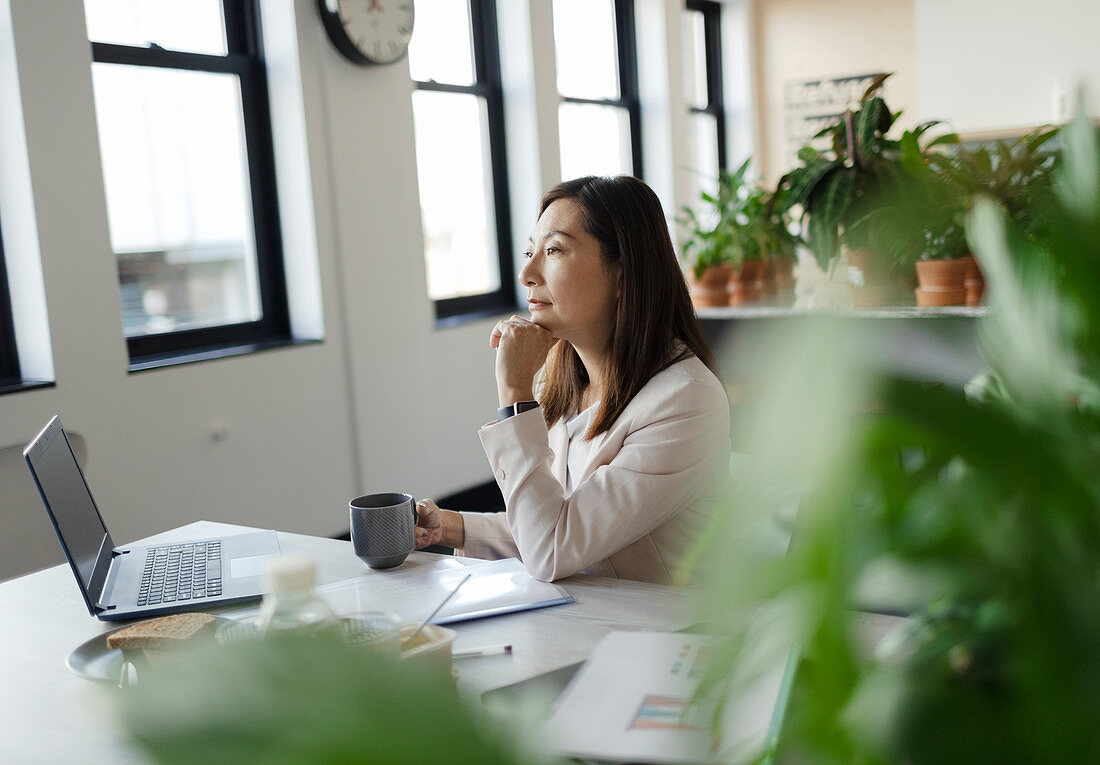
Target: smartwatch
[[517, 408]]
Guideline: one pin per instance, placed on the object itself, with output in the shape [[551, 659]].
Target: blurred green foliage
[[987, 507], [299, 698]]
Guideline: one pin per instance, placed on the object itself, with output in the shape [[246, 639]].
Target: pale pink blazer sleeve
[[661, 459]]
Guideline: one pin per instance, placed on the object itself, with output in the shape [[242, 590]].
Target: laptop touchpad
[[251, 565]]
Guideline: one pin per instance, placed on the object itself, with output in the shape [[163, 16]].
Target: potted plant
[[836, 187], [709, 248], [919, 221], [783, 245], [730, 241], [749, 221], [1015, 173]]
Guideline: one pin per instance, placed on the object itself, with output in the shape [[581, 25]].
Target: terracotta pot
[[878, 295], [784, 275], [712, 288], [871, 282], [872, 268], [942, 276], [746, 283], [973, 281], [942, 297], [769, 286]]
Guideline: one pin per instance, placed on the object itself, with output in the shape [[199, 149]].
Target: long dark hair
[[655, 325]]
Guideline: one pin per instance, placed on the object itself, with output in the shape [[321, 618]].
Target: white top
[[577, 449]]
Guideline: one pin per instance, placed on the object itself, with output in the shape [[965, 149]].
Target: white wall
[[385, 402], [1001, 64], [807, 39]]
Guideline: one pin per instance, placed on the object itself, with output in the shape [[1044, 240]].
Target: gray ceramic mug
[[382, 528]]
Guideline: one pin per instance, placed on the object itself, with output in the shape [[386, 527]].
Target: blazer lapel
[[595, 459]]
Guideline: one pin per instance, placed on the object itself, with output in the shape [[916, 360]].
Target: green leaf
[[803, 181], [867, 125], [944, 140], [1079, 181], [833, 195], [823, 240], [300, 698], [808, 155], [875, 85]]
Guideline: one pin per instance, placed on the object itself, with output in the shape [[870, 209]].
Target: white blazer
[[648, 488]]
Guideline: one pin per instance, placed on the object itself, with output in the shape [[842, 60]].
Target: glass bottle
[[289, 601]]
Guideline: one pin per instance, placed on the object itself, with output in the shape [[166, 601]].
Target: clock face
[[369, 31]]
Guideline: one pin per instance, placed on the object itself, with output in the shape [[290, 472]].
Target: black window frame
[[712, 53], [244, 58], [10, 372], [488, 85], [626, 47]]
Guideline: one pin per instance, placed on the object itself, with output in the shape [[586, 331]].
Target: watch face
[[369, 31]]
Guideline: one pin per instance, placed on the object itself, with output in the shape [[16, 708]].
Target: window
[[703, 91], [599, 120], [458, 114], [188, 169], [9, 359]]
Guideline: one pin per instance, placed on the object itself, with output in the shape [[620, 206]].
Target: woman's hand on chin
[[521, 347]]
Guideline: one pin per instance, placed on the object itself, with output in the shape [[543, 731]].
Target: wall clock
[[369, 31]]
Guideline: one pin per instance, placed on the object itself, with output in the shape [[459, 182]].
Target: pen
[[488, 650]]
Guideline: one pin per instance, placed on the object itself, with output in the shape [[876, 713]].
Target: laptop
[[138, 581]]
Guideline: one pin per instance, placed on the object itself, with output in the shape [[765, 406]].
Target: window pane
[[695, 60], [703, 154], [442, 47], [586, 51], [188, 25], [178, 197], [595, 140], [456, 194]]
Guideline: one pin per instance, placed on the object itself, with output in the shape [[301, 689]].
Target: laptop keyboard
[[181, 572]]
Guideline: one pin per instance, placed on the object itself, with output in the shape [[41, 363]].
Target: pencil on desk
[[489, 650]]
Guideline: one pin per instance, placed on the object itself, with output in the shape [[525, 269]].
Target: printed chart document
[[413, 590], [630, 703]]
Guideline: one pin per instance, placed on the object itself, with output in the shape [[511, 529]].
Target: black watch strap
[[517, 408]]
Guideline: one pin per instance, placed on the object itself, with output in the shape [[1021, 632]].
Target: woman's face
[[569, 291]]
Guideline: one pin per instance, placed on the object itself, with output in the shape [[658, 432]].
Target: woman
[[614, 465]]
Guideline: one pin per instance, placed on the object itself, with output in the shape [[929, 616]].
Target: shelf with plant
[[984, 506], [920, 221]]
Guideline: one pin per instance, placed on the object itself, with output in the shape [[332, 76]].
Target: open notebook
[[412, 591]]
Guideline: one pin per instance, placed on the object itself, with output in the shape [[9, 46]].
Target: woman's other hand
[[521, 347], [435, 526]]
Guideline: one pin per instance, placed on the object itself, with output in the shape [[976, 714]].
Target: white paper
[[629, 702], [413, 592]]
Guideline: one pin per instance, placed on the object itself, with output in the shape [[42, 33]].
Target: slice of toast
[[164, 632]]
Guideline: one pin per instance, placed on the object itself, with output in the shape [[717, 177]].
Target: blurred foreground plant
[[986, 506], [305, 699]]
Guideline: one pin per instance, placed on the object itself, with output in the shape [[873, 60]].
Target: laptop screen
[[68, 500]]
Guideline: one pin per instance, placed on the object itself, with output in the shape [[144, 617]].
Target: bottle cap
[[290, 573]]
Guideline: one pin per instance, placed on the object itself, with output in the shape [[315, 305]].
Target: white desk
[[49, 715]]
